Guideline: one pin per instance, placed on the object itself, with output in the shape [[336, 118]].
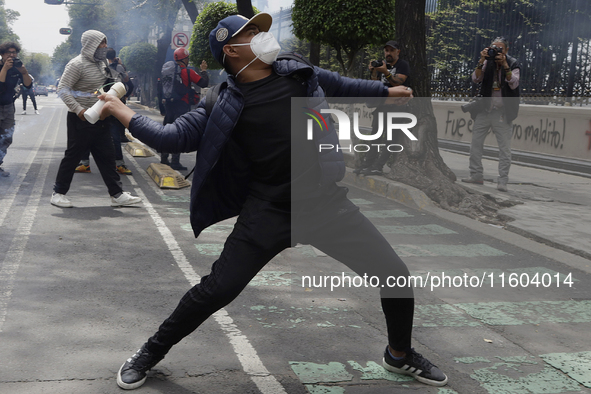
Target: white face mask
[[264, 46]]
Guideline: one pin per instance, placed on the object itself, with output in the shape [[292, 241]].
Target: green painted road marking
[[315, 389], [374, 371], [176, 198], [187, 227], [314, 316], [429, 229], [320, 373], [575, 365], [529, 312], [360, 201], [219, 228], [446, 391], [434, 250], [503, 313], [444, 315], [179, 211], [272, 278], [390, 213], [210, 249], [517, 378], [471, 360]]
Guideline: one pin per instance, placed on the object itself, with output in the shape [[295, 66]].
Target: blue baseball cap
[[229, 27]]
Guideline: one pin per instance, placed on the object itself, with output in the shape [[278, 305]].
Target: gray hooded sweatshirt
[[83, 75]]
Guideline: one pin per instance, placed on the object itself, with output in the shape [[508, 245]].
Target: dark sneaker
[[417, 366], [477, 181], [358, 170], [132, 373], [4, 173], [372, 171], [177, 166]]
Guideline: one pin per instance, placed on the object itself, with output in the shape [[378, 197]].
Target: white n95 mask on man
[[264, 46]]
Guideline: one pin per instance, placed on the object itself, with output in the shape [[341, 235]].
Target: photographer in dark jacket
[[11, 74], [499, 106], [394, 71]]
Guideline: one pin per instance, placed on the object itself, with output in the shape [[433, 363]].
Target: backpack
[[172, 84]]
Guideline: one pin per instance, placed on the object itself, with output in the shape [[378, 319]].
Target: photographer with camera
[[12, 73], [392, 72], [496, 108]]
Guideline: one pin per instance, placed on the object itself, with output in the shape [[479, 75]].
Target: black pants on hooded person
[[263, 229], [84, 136]]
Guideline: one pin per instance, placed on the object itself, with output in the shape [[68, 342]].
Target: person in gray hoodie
[[82, 78]]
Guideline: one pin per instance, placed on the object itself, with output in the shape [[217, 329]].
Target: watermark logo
[[386, 123]]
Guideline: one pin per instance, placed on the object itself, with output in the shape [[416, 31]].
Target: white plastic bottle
[[93, 114]]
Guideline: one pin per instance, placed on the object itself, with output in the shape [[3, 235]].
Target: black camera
[[473, 106], [17, 62], [377, 63], [493, 51]]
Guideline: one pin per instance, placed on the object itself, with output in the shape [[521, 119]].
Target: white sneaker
[[124, 199], [36, 112], [24, 113], [60, 200]]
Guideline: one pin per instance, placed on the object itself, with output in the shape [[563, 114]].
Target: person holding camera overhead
[[393, 72], [496, 110], [12, 72]]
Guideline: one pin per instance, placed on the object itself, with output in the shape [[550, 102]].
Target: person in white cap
[[246, 166]]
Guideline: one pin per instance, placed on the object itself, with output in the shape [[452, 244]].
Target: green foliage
[[7, 16], [39, 66], [540, 33], [62, 54], [345, 26], [139, 57], [207, 21]]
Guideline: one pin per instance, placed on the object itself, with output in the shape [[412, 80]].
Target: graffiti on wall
[[551, 132]]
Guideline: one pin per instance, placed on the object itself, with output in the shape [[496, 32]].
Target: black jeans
[[263, 230], [83, 136]]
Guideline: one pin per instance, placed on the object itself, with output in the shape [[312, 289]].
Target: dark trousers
[[32, 95], [83, 136], [263, 230], [173, 111]]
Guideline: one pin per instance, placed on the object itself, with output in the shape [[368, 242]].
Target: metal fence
[[550, 39]]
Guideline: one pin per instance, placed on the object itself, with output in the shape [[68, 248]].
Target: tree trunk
[[191, 8], [245, 8], [420, 165], [315, 53]]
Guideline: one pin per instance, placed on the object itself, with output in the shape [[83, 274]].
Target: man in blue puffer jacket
[[246, 167]]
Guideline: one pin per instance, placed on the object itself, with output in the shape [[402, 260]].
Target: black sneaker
[[358, 170], [132, 373], [417, 366], [4, 173], [177, 166]]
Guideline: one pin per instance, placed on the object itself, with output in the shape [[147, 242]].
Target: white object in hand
[[93, 114]]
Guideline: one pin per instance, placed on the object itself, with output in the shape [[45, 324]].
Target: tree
[[7, 16], [420, 164], [347, 26], [141, 58]]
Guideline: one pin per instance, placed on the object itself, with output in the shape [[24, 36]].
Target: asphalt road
[[81, 289]]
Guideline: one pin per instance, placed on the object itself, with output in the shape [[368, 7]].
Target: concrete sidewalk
[[554, 208]]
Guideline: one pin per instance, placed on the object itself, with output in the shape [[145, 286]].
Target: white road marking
[[9, 197], [13, 257], [247, 355]]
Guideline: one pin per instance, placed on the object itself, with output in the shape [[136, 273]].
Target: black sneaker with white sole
[[417, 366], [132, 373]]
